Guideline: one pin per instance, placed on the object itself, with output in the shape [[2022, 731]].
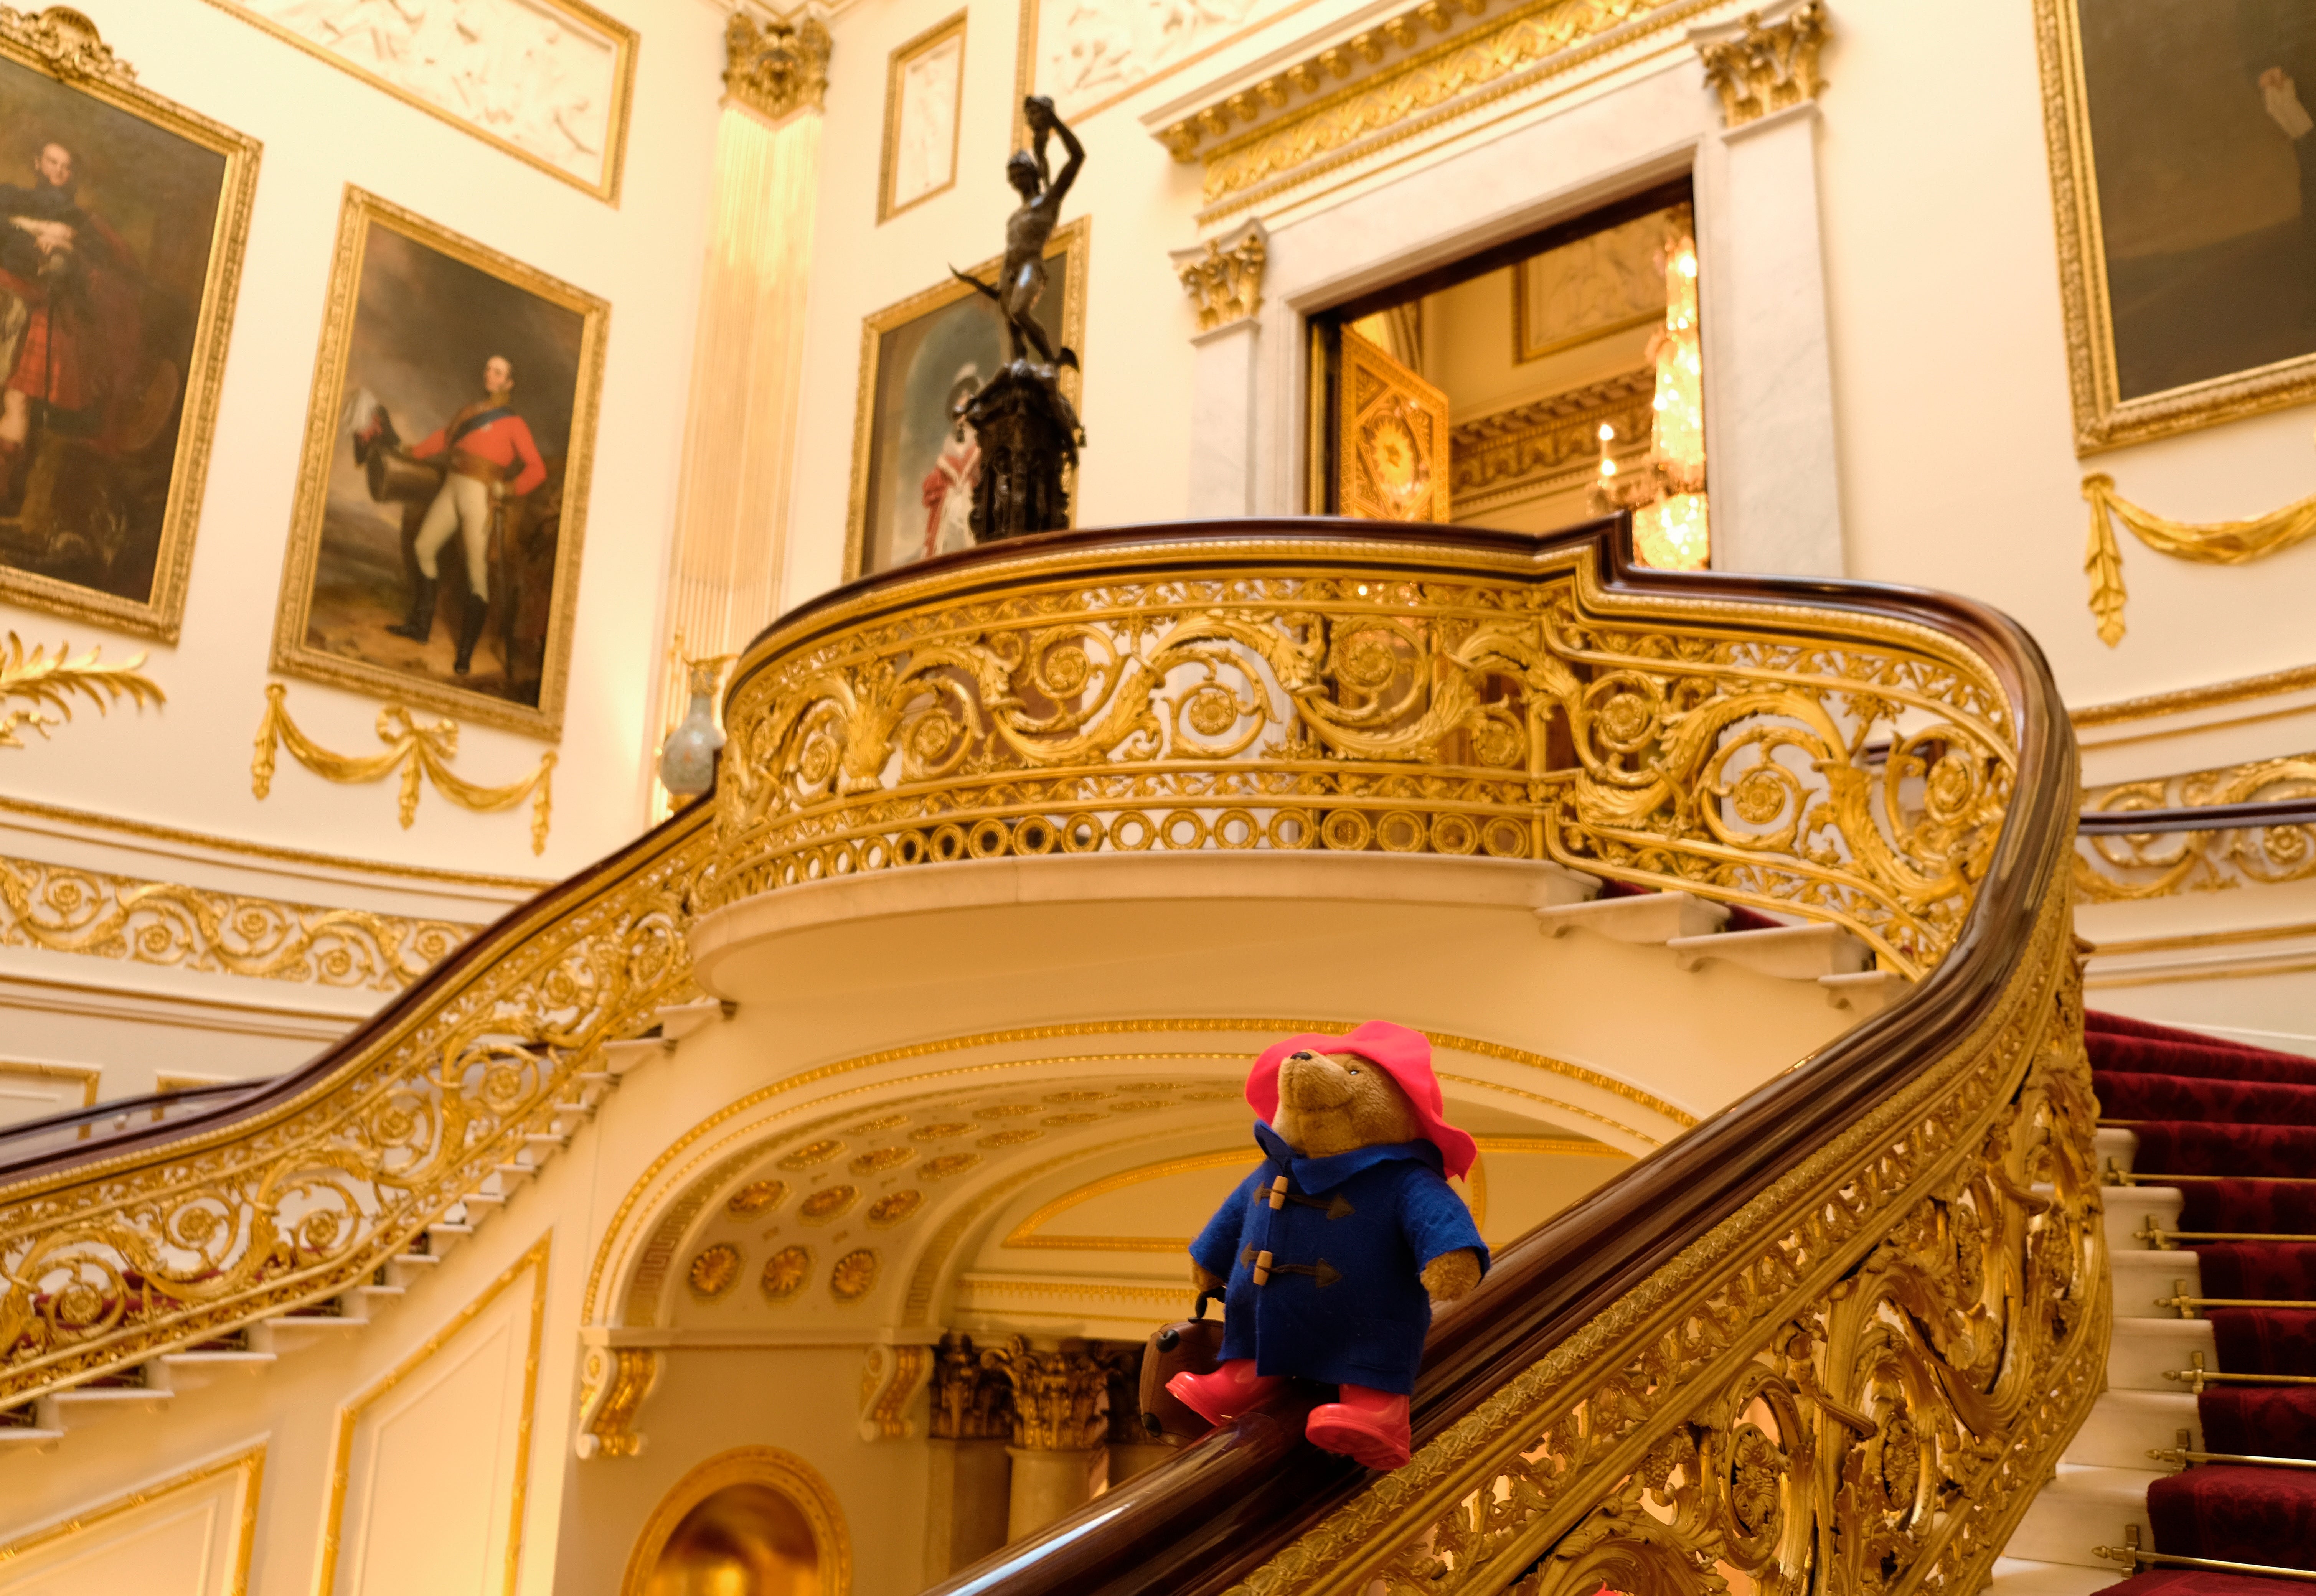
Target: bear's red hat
[[1404, 1055]]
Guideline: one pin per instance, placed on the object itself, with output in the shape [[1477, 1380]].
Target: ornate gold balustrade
[[1856, 1382], [2114, 867], [189, 1232], [1291, 685]]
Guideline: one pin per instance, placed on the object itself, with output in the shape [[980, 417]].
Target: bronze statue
[[1022, 281], [1026, 430]]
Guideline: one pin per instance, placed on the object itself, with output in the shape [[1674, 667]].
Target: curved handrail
[[2209, 817], [27, 1141], [1316, 683], [1242, 1498]]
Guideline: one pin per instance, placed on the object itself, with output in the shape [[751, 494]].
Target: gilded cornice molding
[[180, 837], [1224, 276], [1350, 99], [98, 914], [47, 684], [1757, 68], [777, 67], [1554, 434], [2114, 867]]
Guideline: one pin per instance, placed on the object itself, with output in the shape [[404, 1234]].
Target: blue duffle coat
[[1345, 1302]]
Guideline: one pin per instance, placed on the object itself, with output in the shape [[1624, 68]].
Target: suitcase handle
[[1167, 1340]]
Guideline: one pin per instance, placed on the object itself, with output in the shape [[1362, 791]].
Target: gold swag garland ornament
[[2219, 543], [417, 750]]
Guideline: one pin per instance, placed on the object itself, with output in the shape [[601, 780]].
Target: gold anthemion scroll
[[45, 684]]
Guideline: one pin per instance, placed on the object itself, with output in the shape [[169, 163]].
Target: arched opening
[[751, 1523], [744, 1540]]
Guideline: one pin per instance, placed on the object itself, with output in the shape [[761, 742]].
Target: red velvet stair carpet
[[2234, 1127]]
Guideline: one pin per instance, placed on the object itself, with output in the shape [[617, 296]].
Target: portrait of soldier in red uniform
[[440, 552], [492, 457], [107, 236]]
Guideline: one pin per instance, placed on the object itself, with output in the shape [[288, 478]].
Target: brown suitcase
[[1194, 1345]]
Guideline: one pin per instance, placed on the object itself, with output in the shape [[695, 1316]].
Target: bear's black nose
[[1303, 1057]]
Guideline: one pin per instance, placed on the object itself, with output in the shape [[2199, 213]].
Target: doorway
[[1538, 383]]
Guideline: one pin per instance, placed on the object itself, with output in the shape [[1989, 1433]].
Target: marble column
[[1223, 279], [739, 443], [1772, 467], [1060, 1456], [967, 1502]]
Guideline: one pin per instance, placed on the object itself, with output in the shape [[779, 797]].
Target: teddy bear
[[1332, 1254]]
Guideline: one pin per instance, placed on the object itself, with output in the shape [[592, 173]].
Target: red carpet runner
[[2244, 1121]]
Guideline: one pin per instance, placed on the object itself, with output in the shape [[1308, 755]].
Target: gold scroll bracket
[[418, 752]]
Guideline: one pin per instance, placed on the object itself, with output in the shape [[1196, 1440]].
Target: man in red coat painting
[[492, 456], [68, 316]]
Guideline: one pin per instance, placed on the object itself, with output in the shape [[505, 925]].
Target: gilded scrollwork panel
[[1859, 780], [136, 1255], [2114, 867], [61, 909], [1856, 1382]]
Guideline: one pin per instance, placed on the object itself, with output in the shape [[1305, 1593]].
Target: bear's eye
[[1355, 1069]]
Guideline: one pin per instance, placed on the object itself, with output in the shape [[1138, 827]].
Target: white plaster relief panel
[[1089, 52], [535, 75]]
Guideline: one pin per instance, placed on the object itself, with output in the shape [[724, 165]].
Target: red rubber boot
[[1366, 1425], [1233, 1388]]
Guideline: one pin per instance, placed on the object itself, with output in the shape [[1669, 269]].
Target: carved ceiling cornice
[[1554, 436], [1392, 79]]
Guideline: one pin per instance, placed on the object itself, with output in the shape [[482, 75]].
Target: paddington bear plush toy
[[1336, 1248]]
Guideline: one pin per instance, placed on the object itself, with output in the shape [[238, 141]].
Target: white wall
[[187, 765]]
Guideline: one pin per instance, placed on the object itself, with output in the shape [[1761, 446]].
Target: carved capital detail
[[972, 1399], [1057, 1395], [1757, 68], [776, 68], [1223, 277]]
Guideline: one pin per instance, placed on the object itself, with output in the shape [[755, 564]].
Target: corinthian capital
[[1759, 67], [1223, 277], [776, 68]]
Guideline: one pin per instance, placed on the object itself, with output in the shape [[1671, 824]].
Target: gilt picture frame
[[2183, 186], [129, 219], [913, 357], [924, 98], [417, 456]]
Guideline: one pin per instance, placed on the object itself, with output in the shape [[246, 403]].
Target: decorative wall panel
[[189, 1535], [548, 81], [428, 1464]]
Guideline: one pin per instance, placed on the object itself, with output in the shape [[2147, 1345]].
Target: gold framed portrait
[[924, 88], [119, 259], [2182, 141], [441, 502], [913, 462]]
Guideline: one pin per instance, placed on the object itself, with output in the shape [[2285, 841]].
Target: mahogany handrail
[[2212, 817]]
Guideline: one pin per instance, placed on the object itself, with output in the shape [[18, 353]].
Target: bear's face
[[1330, 1103]]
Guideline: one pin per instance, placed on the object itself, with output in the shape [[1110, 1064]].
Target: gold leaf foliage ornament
[[418, 752], [2213, 543], [46, 683]]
